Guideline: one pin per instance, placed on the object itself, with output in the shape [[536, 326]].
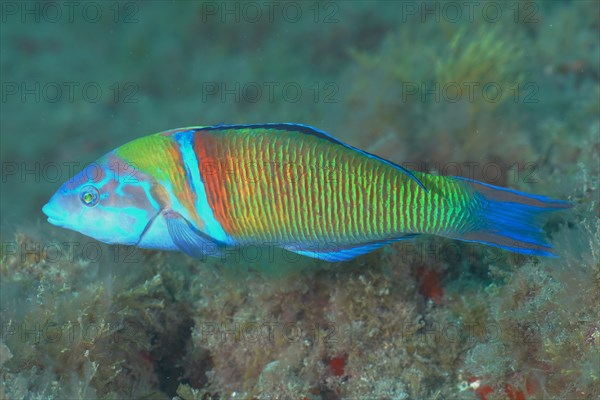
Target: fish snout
[[53, 216]]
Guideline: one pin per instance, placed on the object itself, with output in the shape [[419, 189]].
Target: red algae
[[430, 284], [512, 393], [337, 365]]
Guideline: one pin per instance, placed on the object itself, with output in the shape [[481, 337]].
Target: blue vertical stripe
[[212, 227]]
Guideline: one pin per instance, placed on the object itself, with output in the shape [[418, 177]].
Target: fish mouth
[[54, 221], [53, 218]]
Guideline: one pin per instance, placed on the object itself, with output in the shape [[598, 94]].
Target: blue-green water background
[[159, 65], [156, 65], [80, 80]]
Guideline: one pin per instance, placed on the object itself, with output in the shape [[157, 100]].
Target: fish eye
[[89, 196]]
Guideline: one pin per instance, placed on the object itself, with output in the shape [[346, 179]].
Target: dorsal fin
[[309, 130]]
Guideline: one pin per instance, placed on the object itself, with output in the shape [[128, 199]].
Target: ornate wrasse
[[199, 189]]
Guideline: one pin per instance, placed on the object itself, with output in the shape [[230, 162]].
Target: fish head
[[110, 200]]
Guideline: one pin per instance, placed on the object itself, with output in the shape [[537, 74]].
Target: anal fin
[[335, 254]]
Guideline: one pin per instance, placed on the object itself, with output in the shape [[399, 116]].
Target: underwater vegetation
[[430, 319]]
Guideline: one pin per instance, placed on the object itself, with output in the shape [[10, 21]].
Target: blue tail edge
[[510, 219]]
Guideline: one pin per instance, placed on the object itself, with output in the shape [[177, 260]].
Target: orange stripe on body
[[211, 171]]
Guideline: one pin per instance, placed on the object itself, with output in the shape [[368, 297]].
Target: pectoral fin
[[189, 239]]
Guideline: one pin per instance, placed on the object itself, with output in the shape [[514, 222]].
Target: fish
[[203, 189]]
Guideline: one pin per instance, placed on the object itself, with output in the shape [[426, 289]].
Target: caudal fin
[[510, 219]]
